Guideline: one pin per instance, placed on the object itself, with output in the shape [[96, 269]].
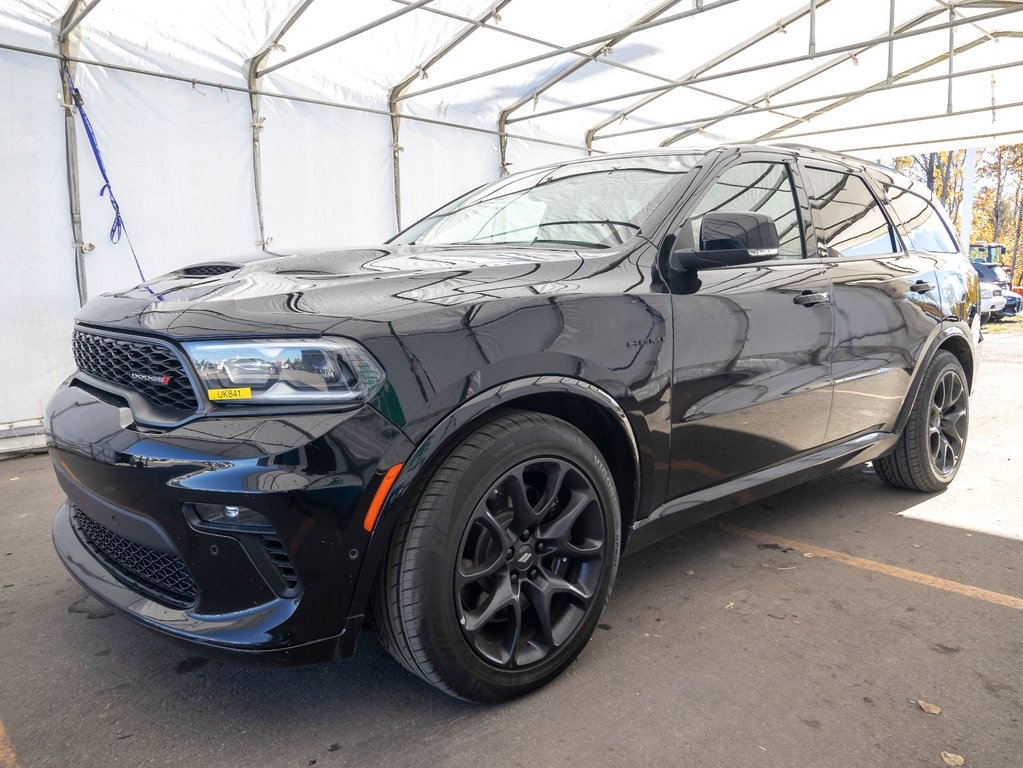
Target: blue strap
[[117, 227]]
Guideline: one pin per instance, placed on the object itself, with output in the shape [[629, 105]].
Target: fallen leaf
[[809, 554], [950, 758], [930, 709]]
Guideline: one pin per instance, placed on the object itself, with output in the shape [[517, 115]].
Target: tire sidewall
[[447, 509]]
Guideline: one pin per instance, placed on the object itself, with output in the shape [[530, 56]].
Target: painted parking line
[[1009, 601], [7, 757]]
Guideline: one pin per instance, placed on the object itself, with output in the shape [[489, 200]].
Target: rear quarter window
[[925, 227]]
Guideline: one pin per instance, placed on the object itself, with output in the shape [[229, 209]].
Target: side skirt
[[685, 511]]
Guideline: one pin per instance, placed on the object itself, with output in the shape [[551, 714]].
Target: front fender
[[433, 444]]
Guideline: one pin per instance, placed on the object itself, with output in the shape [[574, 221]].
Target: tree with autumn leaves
[[998, 194]]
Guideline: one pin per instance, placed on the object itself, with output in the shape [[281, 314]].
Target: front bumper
[[128, 535]]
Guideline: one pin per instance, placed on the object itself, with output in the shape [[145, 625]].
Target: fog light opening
[[233, 516]]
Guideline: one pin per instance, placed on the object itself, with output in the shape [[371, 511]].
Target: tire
[[469, 599], [930, 449]]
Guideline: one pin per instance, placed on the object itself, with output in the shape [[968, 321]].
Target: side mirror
[[730, 239]]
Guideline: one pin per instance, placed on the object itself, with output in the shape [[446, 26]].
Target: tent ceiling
[[872, 75]]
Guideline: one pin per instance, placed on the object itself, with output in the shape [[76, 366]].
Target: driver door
[[751, 382]]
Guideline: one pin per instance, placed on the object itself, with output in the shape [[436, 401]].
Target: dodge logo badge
[[150, 378]]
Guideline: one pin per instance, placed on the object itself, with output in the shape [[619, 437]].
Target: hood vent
[[208, 270]]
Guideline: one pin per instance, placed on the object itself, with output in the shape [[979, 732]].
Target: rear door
[[751, 374], [886, 299]]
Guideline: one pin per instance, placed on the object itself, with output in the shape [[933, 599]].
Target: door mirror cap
[[730, 239]]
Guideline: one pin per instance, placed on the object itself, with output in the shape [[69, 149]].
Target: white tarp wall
[[510, 84]]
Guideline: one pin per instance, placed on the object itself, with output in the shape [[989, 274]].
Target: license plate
[[237, 393]]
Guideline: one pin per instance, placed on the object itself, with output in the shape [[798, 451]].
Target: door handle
[[921, 286], [810, 299]]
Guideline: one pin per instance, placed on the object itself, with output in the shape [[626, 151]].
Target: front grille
[[282, 561], [163, 574], [115, 360], [204, 270]]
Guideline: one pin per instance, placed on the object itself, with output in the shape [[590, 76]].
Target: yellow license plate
[[238, 393]]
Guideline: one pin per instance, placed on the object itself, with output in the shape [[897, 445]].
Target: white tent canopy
[[236, 125]]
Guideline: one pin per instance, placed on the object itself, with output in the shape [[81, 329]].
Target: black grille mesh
[[114, 359], [163, 573], [203, 270]]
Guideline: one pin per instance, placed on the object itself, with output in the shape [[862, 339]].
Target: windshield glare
[[594, 204]]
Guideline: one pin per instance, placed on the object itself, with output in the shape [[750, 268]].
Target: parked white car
[[991, 300]]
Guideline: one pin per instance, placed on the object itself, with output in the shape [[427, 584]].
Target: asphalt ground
[[724, 646]]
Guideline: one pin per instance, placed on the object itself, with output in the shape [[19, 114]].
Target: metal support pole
[[899, 121], [951, 56], [891, 42], [347, 36], [252, 78], [813, 29], [65, 27], [421, 71], [946, 140], [69, 22]]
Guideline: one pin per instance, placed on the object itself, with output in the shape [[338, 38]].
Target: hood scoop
[[208, 270]]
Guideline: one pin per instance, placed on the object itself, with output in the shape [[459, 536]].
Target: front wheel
[[497, 578], [930, 450]]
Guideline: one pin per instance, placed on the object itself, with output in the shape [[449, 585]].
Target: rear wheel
[[497, 578], [930, 450]]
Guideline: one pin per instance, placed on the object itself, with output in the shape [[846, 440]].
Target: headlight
[[285, 371]]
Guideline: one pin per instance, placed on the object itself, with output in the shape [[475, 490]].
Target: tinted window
[[851, 219], [925, 229], [760, 187]]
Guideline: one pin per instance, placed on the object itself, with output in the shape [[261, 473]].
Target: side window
[[926, 230], [762, 188], [850, 217]]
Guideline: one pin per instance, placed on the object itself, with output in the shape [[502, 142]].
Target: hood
[[314, 293]]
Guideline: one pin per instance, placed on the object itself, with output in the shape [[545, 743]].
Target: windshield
[[593, 204]]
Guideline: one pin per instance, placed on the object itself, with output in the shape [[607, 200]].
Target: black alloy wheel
[[497, 576], [530, 562], [947, 422], [930, 450]]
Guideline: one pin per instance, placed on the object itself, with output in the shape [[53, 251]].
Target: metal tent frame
[[593, 51]]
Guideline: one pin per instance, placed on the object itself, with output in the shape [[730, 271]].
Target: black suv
[[458, 433]]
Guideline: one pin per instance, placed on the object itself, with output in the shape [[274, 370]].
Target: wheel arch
[[954, 340], [592, 410]]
